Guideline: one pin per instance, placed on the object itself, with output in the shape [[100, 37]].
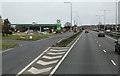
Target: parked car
[[86, 31], [108, 31], [101, 34], [117, 46]]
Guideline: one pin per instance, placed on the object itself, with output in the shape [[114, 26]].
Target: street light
[[116, 13], [71, 15], [99, 20], [105, 17]]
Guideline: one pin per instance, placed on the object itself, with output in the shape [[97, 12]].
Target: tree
[[6, 27]]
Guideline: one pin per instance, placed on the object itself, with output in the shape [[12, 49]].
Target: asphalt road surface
[[91, 55], [16, 59]]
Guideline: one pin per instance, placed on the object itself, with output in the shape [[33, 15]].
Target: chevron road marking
[[50, 53], [58, 50], [48, 57], [47, 63], [38, 71]]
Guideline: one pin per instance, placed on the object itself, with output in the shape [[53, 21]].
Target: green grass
[[67, 41], [27, 37], [7, 44]]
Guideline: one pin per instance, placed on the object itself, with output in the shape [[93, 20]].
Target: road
[[16, 59], [91, 55]]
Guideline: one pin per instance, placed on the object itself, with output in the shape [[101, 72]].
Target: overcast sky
[[49, 12]]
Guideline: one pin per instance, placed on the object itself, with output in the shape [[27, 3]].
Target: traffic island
[[67, 41], [7, 44]]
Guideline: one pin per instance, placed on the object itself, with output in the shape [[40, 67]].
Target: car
[[108, 31], [86, 31], [117, 46], [101, 34]]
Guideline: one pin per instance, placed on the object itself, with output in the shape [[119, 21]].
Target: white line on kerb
[[104, 51], [56, 67], [113, 62], [31, 63], [111, 38]]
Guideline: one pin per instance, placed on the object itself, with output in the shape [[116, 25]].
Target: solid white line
[[38, 71], [113, 62], [41, 62], [31, 62], [104, 51], [111, 38], [54, 57], [52, 72]]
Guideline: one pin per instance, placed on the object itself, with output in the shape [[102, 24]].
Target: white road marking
[[50, 53], [104, 51], [113, 62], [54, 57], [55, 68], [7, 50], [97, 41], [111, 38], [99, 45], [47, 63], [38, 71], [31, 62], [58, 50]]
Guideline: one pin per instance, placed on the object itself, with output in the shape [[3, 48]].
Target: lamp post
[[99, 20], [116, 14], [71, 14]]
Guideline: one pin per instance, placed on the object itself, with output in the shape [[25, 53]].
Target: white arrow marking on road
[[104, 51], [38, 71], [47, 63], [58, 50], [48, 57], [56, 53]]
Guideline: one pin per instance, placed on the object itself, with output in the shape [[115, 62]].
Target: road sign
[[58, 21]]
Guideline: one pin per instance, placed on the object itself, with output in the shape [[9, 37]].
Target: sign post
[[59, 25]]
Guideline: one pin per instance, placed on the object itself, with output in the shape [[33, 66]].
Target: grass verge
[[7, 44], [27, 37], [66, 41]]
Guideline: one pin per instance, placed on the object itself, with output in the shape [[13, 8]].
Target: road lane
[[16, 59], [86, 57]]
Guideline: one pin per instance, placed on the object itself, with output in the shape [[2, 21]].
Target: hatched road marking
[[47, 63], [50, 53], [49, 57], [38, 71]]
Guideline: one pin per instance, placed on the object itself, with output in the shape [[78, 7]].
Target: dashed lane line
[[41, 62], [38, 71], [99, 45], [113, 62], [104, 51]]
